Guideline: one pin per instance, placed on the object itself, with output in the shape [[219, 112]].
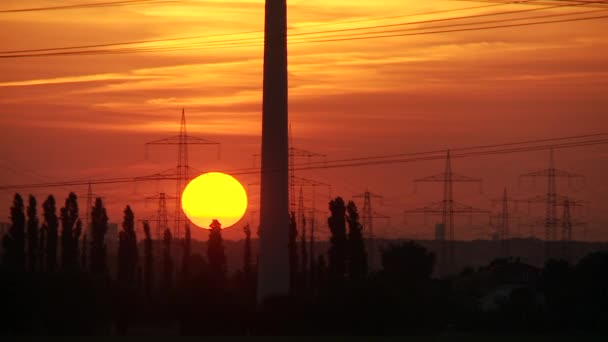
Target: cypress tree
[[14, 240], [51, 227], [69, 240], [293, 250], [357, 257], [167, 260], [127, 249], [247, 252], [338, 242], [83, 254], [33, 251], [99, 228], [303, 249], [148, 259], [186, 254], [216, 253], [42, 248], [76, 238]]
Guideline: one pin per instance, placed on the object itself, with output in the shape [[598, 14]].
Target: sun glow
[[214, 196]]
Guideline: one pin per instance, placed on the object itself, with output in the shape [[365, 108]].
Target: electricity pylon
[[447, 208], [551, 199], [567, 224], [89, 197], [182, 172], [367, 221], [504, 223]]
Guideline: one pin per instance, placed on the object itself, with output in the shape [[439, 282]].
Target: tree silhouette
[[99, 228], [247, 252], [51, 227], [338, 242], [33, 251], [69, 239], [303, 250], [167, 260], [84, 262], [14, 240], [148, 260], [357, 257], [42, 248], [293, 250], [408, 261], [186, 253], [216, 253], [127, 249], [77, 233]]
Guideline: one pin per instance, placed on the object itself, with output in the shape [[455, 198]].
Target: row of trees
[[34, 247]]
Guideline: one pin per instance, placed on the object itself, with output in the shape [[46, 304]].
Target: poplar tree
[[186, 254], [216, 253], [247, 251], [148, 259], [69, 233], [33, 250], [127, 249], [357, 257], [338, 242], [51, 227], [99, 228], [293, 249], [167, 260], [14, 240]]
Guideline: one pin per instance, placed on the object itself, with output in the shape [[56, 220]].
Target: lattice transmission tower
[[552, 199], [505, 220], [367, 221], [447, 208], [182, 173]]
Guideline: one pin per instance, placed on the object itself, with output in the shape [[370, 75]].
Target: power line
[[319, 40], [256, 39], [409, 158], [88, 5], [240, 33]]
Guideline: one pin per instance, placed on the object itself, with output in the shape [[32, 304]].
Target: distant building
[[439, 232]]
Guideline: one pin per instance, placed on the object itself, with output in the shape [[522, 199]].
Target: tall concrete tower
[[273, 265]]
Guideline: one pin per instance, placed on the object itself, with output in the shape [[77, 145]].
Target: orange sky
[[79, 117]]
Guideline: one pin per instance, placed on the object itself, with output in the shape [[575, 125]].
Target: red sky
[[88, 116]]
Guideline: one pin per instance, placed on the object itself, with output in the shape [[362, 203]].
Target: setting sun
[[214, 196]]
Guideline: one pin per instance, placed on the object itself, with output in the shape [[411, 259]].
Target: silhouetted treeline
[[169, 287]]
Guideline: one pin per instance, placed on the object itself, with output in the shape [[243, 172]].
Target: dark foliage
[[14, 241], [127, 249], [186, 255], [247, 252], [51, 227], [99, 228], [338, 242], [167, 275], [69, 233], [33, 249], [148, 276], [293, 251], [216, 254], [357, 257]]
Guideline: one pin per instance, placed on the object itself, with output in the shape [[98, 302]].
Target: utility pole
[[447, 208], [182, 173]]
